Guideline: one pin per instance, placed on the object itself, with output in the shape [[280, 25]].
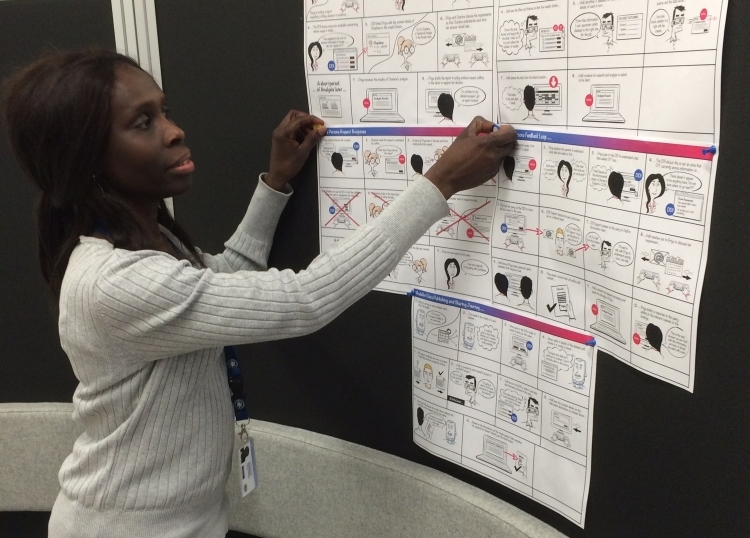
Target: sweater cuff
[[411, 214], [264, 211]]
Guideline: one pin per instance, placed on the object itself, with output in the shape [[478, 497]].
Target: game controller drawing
[[649, 275], [561, 437]]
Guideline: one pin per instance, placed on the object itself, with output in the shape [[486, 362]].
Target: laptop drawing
[[608, 321], [494, 453], [383, 106], [606, 105]]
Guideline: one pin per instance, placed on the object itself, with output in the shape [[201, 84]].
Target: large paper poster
[[506, 396]]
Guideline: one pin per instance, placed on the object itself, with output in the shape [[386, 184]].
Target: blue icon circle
[[504, 228], [331, 65], [670, 210], [356, 146], [529, 346], [331, 210], [514, 417], [638, 175]]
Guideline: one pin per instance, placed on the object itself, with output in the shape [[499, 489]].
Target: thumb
[[312, 138]]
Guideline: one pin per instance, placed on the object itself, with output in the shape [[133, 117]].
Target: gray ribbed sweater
[[144, 333]]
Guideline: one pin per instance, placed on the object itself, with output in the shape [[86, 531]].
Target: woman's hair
[[650, 180], [501, 283], [567, 165], [448, 262], [402, 44], [59, 116], [310, 48], [509, 166], [417, 163], [616, 183]]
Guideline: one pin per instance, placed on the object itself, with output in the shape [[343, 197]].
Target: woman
[[452, 270], [144, 314], [406, 50], [655, 188], [564, 173], [314, 51]]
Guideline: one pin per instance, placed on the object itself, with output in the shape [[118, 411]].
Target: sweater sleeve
[[249, 246], [156, 307]]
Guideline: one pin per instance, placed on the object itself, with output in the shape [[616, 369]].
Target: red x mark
[[341, 209], [464, 217]]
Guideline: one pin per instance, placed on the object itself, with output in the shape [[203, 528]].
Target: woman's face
[[654, 189], [452, 269], [146, 159], [315, 53], [564, 174]]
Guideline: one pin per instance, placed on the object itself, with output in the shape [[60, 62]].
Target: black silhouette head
[[616, 183], [337, 160], [529, 98], [420, 415], [501, 283], [526, 287], [654, 336], [509, 166], [417, 163], [446, 104]]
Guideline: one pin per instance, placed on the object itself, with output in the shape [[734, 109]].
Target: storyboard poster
[[506, 396], [603, 235]]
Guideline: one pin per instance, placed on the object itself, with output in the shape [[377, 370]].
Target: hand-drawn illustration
[[608, 321], [375, 210], [400, 4], [372, 159], [579, 373], [452, 270], [417, 164], [529, 101], [532, 412], [651, 276], [406, 49], [330, 106], [501, 284], [615, 183], [350, 4], [604, 104], [521, 465], [446, 104], [606, 254], [469, 330], [419, 267], [470, 385], [423, 430], [314, 51], [479, 57], [427, 375], [420, 322], [531, 34], [451, 59], [561, 302], [450, 432], [679, 286], [509, 166], [495, 453], [565, 173], [563, 424], [654, 337], [527, 288], [337, 160], [560, 242], [678, 21], [608, 29], [382, 106], [655, 187]]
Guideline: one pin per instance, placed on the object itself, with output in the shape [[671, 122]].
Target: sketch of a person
[[427, 376], [417, 371], [419, 267], [532, 412], [470, 384], [501, 283], [452, 270], [450, 432], [446, 104], [606, 252], [337, 160], [527, 288], [564, 173], [655, 187], [616, 184], [419, 321], [608, 29], [417, 163], [678, 21], [439, 152], [400, 4], [560, 242], [314, 51], [532, 32], [579, 373], [654, 336], [469, 336], [509, 166], [419, 430], [372, 159], [406, 49], [529, 101], [521, 465]]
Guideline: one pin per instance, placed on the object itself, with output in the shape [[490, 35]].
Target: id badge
[[248, 472]]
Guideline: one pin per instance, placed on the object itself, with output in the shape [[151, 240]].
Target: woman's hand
[[293, 140], [472, 159]]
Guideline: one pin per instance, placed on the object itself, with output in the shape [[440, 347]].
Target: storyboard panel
[[602, 235], [506, 396], [639, 67]]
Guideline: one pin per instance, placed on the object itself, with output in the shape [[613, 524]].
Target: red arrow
[[584, 248], [513, 456], [364, 50], [535, 230]]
